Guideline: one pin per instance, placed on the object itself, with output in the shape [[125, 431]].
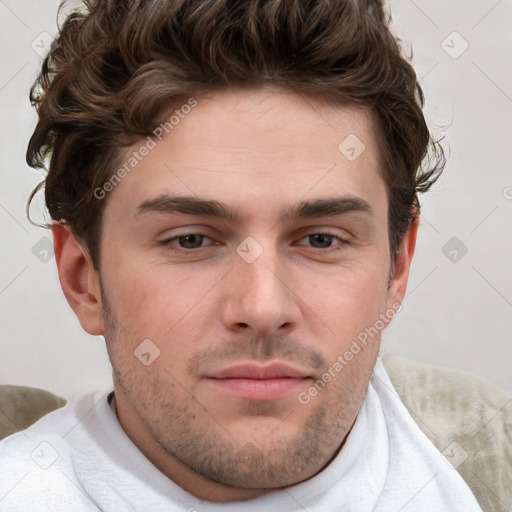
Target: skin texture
[[302, 301]]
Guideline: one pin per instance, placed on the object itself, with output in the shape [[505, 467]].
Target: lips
[[256, 382]]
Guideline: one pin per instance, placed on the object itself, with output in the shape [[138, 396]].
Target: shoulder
[[468, 419], [36, 464]]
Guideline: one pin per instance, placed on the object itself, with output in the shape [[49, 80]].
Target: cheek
[[156, 301], [350, 299]]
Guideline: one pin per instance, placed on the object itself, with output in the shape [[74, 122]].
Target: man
[[285, 139]]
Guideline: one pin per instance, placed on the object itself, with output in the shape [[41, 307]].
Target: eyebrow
[[191, 205]]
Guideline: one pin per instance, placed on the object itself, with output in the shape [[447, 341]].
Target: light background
[[456, 313]]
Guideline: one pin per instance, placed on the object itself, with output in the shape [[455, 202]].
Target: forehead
[[243, 147]]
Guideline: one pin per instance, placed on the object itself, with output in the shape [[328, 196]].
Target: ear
[[78, 278], [402, 264]]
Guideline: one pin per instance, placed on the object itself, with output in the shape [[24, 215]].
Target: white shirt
[[78, 458]]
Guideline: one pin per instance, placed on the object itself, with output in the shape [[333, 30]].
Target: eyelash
[[343, 242]]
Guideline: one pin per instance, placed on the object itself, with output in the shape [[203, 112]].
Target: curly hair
[[116, 64]]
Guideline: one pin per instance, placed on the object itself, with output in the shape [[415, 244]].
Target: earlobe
[[78, 278], [401, 266]]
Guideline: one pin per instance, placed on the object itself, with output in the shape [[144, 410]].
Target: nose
[[260, 295]]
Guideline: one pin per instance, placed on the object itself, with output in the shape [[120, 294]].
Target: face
[[249, 252]]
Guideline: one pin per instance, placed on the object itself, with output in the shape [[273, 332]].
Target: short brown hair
[[118, 62]]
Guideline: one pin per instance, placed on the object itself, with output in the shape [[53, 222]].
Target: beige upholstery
[[467, 418], [20, 406]]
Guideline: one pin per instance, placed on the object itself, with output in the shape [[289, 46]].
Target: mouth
[[256, 382]]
